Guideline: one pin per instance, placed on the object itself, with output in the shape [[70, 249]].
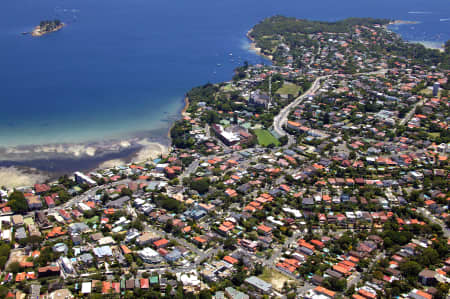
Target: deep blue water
[[123, 66]]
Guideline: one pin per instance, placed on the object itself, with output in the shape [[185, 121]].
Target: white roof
[[102, 251], [86, 287], [188, 279], [106, 240], [84, 206], [296, 213], [148, 252]]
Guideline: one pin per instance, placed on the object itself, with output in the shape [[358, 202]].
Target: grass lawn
[[275, 278], [94, 220], [289, 88], [434, 135], [228, 87], [265, 138], [429, 92], [28, 220]]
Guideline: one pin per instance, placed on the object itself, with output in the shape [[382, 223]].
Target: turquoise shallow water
[[124, 66], [120, 69]]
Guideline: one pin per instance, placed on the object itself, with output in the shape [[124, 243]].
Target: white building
[[81, 178], [67, 265], [86, 287], [149, 255]]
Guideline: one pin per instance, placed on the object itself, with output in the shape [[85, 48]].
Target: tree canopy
[[17, 202]]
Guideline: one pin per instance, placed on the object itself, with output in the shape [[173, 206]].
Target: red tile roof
[[41, 188], [230, 260], [144, 283], [325, 291], [160, 243], [106, 286]]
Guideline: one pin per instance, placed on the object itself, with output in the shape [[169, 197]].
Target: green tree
[[17, 202], [259, 269], [14, 267], [3, 260], [238, 278], [202, 185], [126, 192], [211, 117], [229, 243], [410, 268], [283, 140], [3, 291], [205, 294], [429, 257], [63, 195]]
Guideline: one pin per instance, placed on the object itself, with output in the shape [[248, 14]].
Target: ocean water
[[121, 67]]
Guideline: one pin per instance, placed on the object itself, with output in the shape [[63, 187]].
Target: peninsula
[[47, 27], [323, 175]]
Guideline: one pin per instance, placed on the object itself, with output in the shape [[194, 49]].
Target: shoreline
[[54, 160], [430, 45], [426, 44], [24, 173], [16, 176], [107, 153], [402, 22], [256, 49], [186, 105], [182, 113]]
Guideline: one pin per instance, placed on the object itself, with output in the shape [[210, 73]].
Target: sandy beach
[[149, 151], [111, 163], [402, 22], [48, 162], [431, 45], [426, 44], [254, 48], [186, 106], [63, 150], [17, 177]]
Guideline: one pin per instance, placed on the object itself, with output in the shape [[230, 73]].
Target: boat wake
[[420, 12]]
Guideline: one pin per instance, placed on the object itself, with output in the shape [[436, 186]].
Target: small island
[[47, 27]]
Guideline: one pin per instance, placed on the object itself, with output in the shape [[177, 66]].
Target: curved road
[[281, 119]]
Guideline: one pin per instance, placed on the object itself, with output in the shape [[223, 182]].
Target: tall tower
[[436, 89], [270, 91]]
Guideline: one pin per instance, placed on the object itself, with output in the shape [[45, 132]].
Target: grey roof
[[289, 152], [235, 294], [259, 284], [60, 247], [20, 233], [118, 203], [427, 273], [244, 188], [219, 295], [274, 192], [308, 201], [86, 258], [173, 256], [79, 227]]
